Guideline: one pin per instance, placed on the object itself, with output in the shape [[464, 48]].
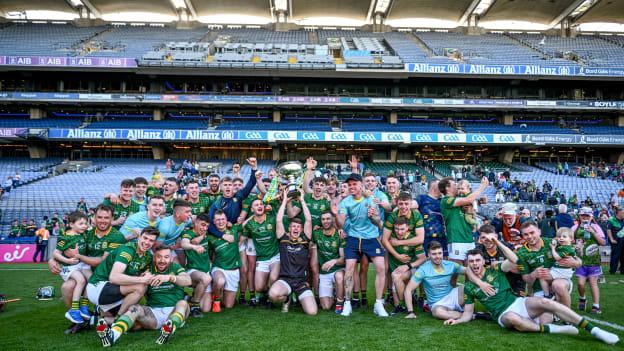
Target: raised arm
[[251, 182], [307, 177], [118, 277], [468, 200], [307, 227], [279, 221]]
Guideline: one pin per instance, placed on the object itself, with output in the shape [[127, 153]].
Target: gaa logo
[[310, 136], [509, 69], [453, 69], [338, 136], [451, 137], [422, 137], [253, 135], [281, 135], [564, 71], [507, 138], [395, 137], [478, 138], [367, 137], [168, 134], [110, 134]]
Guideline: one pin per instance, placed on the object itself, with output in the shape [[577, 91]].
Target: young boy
[[72, 267], [560, 248]]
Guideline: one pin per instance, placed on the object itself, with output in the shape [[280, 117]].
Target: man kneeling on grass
[[166, 308], [525, 314]]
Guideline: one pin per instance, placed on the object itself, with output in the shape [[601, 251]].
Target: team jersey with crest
[[316, 207], [264, 238], [126, 254], [166, 294], [411, 251], [328, 248], [96, 246], [294, 257], [195, 260], [457, 230], [201, 206], [226, 255], [70, 241], [500, 301]]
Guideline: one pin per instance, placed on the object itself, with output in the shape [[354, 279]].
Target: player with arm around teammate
[[520, 313]]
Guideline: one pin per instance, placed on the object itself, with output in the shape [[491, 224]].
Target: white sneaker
[[346, 309], [380, 310], [605, 336]]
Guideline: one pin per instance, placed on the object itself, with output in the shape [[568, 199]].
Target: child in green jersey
[[560, 247], [73, 269]]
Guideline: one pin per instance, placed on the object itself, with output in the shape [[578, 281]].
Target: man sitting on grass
[[166, 308], [524, 314]]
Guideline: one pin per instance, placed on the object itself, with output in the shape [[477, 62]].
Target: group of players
[[283, 246]]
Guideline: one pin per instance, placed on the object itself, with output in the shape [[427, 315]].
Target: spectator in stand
[[547, 188], [548, 224], [8, 184], [566, 168], [31, 228], [525, 215], [573, 201], [563, 218], [621, 196], [16, 229], [82, 205], [507, 224], [42, 244]]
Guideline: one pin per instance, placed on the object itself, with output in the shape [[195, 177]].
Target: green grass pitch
[[38, 325]]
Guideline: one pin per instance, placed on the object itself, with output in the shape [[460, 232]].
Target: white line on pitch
[[608, 324], [23, 269]]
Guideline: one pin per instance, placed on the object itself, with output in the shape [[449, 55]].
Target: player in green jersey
[[331, 261], [140, 189], [200, 203], [405, 252], [122, 203], [226, 265], [213, 191], [196, 245], [524, 314], [119, 281], [534, 258], [318, 202], [458, 232], [166, 308], [170, 192], [261, 228], [73, 268]]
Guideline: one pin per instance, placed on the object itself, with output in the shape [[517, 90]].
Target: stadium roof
[[534, 14]]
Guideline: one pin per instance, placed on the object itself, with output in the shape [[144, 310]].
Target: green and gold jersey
[[126, 254], [529, 260], [152, 191], [500, 301], [226, 255], [96, 246], [411, 251], [328, 248], [457, 230], [567, 251], [70, 241], [169, 206], [212, 197], [414, 220], [201, 206], [264, 238], [194, 260], [166, 294], [17, 229], [119, 210], [591, 250], [316, 207]]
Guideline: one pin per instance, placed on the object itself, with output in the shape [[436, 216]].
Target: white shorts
[[457, 251], [250, 248], [326, 284], [161, 314], [450, 301], [265, 266], [68, 270], [519, 308], [570, 288], [242, 247], [561, 273], [232, 277], [93, 294]]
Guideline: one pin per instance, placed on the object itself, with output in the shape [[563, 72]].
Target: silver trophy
[[291, 174]]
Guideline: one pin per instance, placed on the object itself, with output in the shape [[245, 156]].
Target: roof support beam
[[473, 5], [371, 10], [92, 9], [191, 9], [586, 11], [567, 12]]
